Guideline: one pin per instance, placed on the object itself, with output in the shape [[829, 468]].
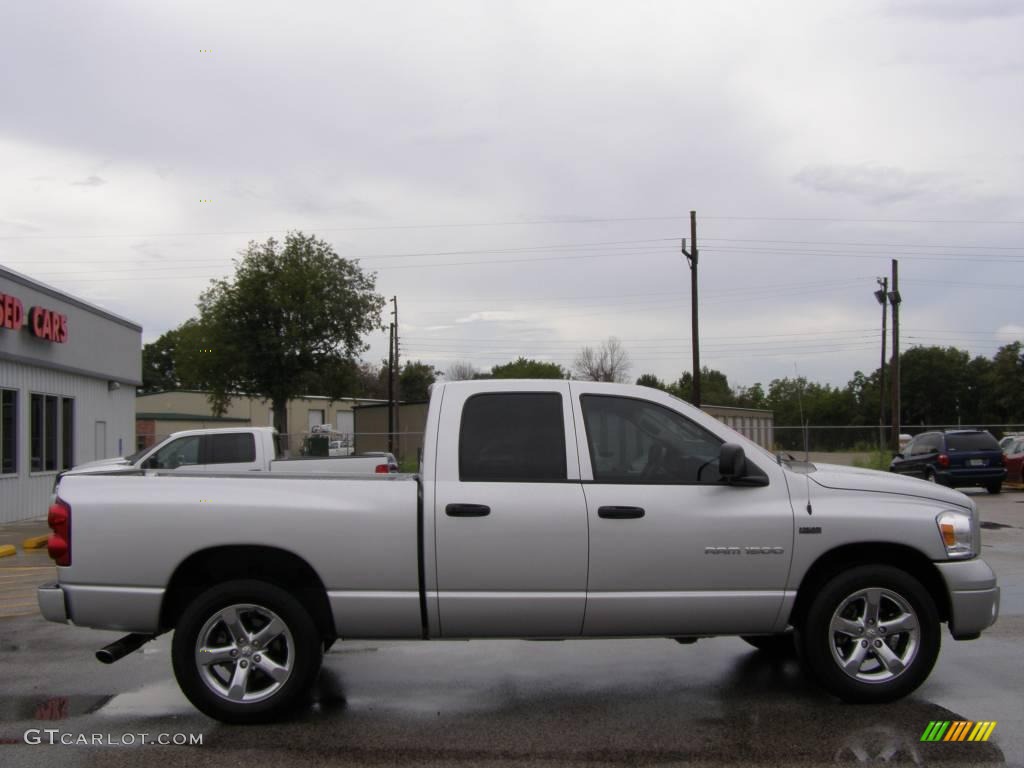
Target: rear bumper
[[130, 609], [51, 603], [980, 476], [973, 597]]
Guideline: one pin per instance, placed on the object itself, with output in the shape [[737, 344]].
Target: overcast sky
[[519, 174]]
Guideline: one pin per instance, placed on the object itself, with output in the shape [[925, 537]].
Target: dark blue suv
[[954, 458]]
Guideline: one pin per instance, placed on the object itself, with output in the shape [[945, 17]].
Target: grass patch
[[879, 460]]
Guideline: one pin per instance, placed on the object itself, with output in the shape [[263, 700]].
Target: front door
[[673, 550], [99, 444], [509, 514]]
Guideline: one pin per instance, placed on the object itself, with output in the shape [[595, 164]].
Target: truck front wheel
[[245, 652], [872, 634]]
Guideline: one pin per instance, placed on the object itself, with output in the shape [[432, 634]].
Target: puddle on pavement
[[49, 707], [156, 700], [989, 526]]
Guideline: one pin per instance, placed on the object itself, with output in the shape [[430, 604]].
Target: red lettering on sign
[[47, 324], [11, 312]]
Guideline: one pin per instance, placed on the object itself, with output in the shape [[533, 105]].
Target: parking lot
[[510, 702]]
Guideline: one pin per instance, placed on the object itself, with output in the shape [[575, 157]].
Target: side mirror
[[736, 470], [732, 461]]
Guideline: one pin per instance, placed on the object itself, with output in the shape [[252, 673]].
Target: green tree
[[523, 368], [290, 311], [159, 364], [650, 380], [714, 387], [414, 381], [933, 384]]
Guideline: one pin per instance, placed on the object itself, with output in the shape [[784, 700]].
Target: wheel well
[[842, 558], [209, 567]]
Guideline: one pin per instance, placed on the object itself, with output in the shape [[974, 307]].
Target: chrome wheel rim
[[245, 653], [874, 635]]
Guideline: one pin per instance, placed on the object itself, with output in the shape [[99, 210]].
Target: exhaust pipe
[[120, 648]]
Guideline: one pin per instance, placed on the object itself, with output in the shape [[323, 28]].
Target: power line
[[521, 222]]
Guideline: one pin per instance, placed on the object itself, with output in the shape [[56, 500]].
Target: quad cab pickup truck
[[543, 509], [235, 449]]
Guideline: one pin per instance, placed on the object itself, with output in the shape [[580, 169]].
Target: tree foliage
[[523, 368], [292, 311], [415, 381]]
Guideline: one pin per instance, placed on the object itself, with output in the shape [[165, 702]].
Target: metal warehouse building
[[68, 373]]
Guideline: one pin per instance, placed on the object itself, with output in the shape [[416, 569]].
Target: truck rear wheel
[[872, 634], [245, 652]]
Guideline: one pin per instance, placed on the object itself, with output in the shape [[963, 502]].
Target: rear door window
[[237, 448], [972, 441], [512, 437]]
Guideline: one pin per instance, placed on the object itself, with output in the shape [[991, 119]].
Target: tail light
[[381, 469], [943, 460], [59, 544]]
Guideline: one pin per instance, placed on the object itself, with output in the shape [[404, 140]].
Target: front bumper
[[973, 597], [51, 603]]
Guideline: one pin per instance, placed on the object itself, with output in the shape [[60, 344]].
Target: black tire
[[929, 475], [994, 488], [816, 641], [773, 645], [298, 650]]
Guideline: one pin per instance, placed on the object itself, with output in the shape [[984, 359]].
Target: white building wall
[[26, 494]]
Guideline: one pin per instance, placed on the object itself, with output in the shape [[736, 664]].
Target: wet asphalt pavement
[[644, 702]]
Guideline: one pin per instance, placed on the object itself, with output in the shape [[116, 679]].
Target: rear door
[[973, 453], [510, 519]]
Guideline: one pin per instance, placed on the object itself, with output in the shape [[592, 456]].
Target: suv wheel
[[245, 652], [994, 487], [872, 634], [930, 476]]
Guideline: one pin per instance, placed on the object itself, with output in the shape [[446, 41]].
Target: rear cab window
[[971, 441]]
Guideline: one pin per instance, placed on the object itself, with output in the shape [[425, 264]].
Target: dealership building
[[68, 373]]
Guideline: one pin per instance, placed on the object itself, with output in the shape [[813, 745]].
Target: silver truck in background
[[234, 449], [544, 509]]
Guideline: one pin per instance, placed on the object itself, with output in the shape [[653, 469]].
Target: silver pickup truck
[[543, 509]]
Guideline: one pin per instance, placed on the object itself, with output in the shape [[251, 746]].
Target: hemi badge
[[810, 529]]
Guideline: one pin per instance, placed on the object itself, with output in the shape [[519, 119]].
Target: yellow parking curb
[[6, 550], [36, 542]]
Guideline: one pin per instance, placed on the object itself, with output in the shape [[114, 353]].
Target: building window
[[8, 431], [45, 432], [67, 433]]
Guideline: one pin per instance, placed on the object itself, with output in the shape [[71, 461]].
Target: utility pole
[[882, 295], [398, 385], [895, 299], [691, 258], [391, 388]]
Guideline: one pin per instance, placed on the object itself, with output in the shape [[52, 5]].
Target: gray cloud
[[870, 184], [91, 181], [956, 10]]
